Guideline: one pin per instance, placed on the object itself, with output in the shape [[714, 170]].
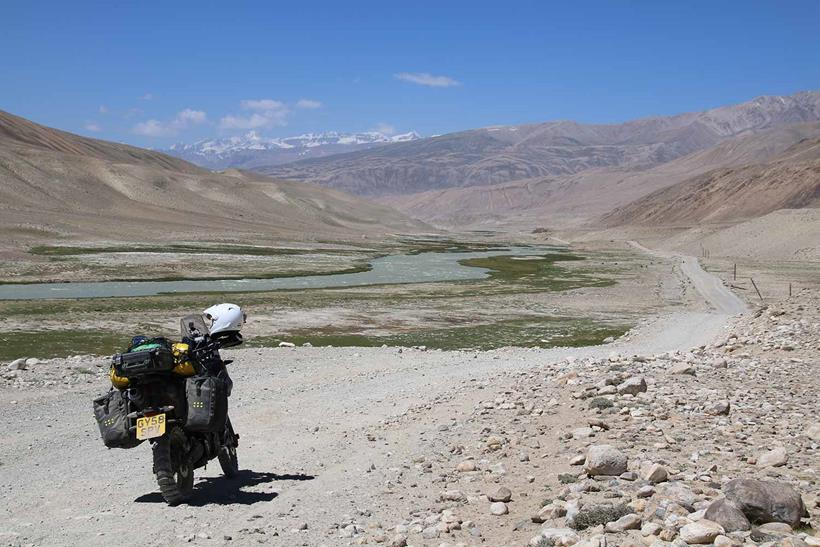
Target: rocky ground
[[632, 443], [634, 449]]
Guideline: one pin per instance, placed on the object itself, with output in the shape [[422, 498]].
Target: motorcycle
[[184, 418]]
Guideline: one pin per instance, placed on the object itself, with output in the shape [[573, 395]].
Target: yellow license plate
[[150, 427]]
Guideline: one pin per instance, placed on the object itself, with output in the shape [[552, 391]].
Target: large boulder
[[766, 501], [728, 515], [603, 459]]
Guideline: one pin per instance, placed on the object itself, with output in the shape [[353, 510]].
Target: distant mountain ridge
[[56, 186], [497, 155], [252, 150]]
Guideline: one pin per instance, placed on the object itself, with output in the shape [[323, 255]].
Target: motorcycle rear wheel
[[228, 459], [172, 466]]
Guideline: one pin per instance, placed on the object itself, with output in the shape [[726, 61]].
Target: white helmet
[[224, 318]]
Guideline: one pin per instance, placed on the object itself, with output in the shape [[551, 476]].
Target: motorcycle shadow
[[225, 491]]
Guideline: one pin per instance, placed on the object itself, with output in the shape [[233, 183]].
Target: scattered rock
[[632, 386], [682, 368], [775, 457], [604, 459], [728, 515], [654, 473], [498, 508], [466, 466], [766, 501], [701, 532], [502, 493], [17, 364], [719, 408], [626, 522]]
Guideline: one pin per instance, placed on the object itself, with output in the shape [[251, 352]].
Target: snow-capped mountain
[[252, 150]]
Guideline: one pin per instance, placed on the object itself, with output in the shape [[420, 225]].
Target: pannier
[[207, 403], [139, 363], [111, 412]]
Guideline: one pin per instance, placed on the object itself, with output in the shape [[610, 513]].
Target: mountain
[[251, 150], [577, 198], [730, 194], [499, 155], [59, 186]]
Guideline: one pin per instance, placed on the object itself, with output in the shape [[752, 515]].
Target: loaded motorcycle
[[175, 395]]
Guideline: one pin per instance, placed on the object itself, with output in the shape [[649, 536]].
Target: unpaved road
[[314, 441]]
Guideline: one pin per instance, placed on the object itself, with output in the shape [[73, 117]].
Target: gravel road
[[307, 418]]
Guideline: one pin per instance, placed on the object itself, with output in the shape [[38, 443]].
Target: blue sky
[[153, 73]]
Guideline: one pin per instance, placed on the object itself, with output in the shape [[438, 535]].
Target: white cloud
[[308, 103], [265, 113], [152, 128], [384, 128], [147, 97], [261, 104], [190, 117], [93, 127], [103, 109], [183, 120], [423, 78]]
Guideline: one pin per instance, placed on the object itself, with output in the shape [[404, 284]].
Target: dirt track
[[306, 417]]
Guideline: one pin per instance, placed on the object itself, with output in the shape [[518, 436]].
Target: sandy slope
[[315, 441]]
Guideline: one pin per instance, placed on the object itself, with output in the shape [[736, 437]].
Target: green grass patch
[[529, 332], [541, 271], [60, 343]]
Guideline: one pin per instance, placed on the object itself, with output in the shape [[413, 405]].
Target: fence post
[[756, 289]]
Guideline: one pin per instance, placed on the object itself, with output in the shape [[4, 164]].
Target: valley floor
[[401, 446]]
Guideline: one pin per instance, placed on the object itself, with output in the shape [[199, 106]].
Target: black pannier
[[140, 363], [111, 412], [207, 403]]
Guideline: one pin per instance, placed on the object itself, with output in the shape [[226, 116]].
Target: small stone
[[773, 458], [645, 491], [502, 493], [399, 540], [654, 473], [723, 541], [494, 443], [626, 522], [605, 460], [559, 536], [578, 460], [466, 466], [453, 495], [701, 532], [651, 529], [632, 386], [727, 515], [498, 508], [30, 362], [17, 364], [287, 345], [720, 408], [682, 368]]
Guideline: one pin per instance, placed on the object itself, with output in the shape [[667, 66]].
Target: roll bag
[[111, 412], [207, 403], [183, 366]]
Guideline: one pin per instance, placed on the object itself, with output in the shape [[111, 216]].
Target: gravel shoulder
[[331, 442]]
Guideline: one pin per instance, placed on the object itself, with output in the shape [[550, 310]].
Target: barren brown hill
[[792, 181], [497, 155], [55, 185], [577, 198]]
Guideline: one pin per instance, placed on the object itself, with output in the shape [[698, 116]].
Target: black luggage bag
[[111, 411], [207, 403]]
